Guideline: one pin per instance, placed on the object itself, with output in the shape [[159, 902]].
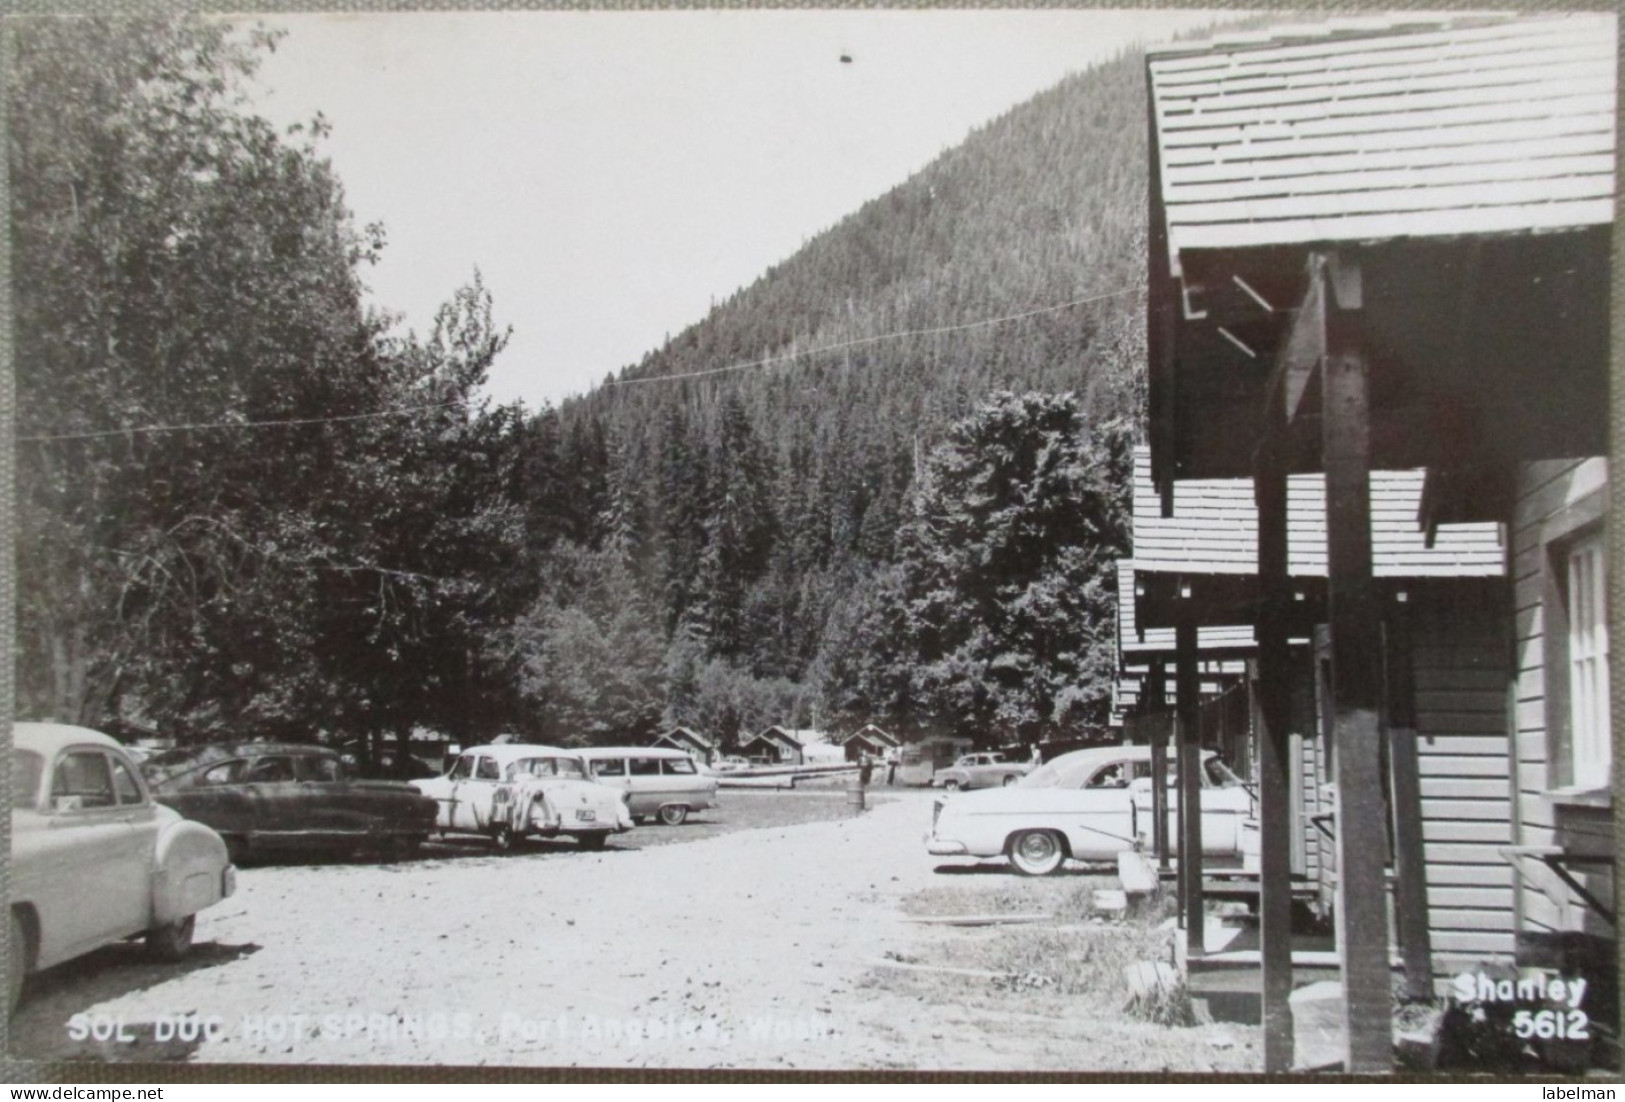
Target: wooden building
[[702, 749], [868, 741], [1383, 245], [773, 746], [1458, 665]]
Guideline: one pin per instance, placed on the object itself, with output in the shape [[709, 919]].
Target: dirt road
[[747, 949]]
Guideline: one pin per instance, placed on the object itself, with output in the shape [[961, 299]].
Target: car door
[[275, 806], [102, 872], [326, 801], [474, 794], [649, 791], [1226, 804], [1099, 811], [214, 795], [612, 772]]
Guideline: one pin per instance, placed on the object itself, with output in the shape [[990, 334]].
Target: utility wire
[[788, 356], [405, 410], [199, 425]]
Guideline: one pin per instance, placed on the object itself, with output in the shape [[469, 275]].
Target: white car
[[1085, 806], [94, 860], [512, 791], [985, 770], [657, 781]]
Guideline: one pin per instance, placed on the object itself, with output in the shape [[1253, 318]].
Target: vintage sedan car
[[985, 770], [1085, 806], [512, 791], [267, 796], [94, 860]]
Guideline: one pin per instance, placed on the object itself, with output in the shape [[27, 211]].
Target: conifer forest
[[886, 482]]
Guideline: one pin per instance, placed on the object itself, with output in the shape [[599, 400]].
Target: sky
[[612, 175]]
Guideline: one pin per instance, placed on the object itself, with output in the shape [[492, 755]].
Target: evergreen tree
[[1008, 570]]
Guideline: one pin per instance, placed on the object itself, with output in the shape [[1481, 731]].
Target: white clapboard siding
[[1460, 669], [1567, 136], [1370, 130], [1546, 489]]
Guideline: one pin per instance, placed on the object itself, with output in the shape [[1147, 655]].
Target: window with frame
[[1585, 576], [82, 781], [125, 786]]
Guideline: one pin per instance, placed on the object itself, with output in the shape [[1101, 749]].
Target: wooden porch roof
[[1213, 529], [1464, 165], [1353, 130], [1137, 642]]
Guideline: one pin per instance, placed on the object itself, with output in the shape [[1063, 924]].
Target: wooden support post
[[1410, 867], [1274, 699], [1187, 688], [1157, 702], [1355, 615]]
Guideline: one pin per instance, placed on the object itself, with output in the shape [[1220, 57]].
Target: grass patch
[[1071, 900], [1080, 955]]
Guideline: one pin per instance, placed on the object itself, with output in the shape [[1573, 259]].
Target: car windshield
[[546, 767], [1045, 776], [161, 766], [1219, 774]]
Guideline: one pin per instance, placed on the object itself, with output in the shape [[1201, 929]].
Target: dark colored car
[[262, 796]]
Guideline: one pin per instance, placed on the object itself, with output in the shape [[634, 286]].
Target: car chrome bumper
[[943, 848]]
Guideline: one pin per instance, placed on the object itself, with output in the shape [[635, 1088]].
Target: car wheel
[[18, 955], [503, 839], [1036, 852], [951, 785], [1009, 779], [171, 941], [673, 814], [592, 841]]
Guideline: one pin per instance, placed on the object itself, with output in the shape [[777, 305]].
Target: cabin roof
[[1371, 129], [686, 735]]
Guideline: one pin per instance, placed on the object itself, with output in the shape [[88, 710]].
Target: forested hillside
[[885, 482], [766, 514]]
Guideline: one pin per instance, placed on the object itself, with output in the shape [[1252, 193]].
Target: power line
[[198, 426], [875, 339], [201, 425]]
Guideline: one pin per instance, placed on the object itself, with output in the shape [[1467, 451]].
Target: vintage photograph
[[893, 541]]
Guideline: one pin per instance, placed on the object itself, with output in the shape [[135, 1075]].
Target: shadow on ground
[[43, 1026]]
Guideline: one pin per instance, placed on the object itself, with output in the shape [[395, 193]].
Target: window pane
[[463, 768], [487, 770], [272, 770], [227, 772], [319, 767], [83, 776], [645, 767], [678, 765], [124, 784], [1588, 661], [609, 767]]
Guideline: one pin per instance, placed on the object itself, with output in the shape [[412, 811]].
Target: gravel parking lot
[[749, 937]]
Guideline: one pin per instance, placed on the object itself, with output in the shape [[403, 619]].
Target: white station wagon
[[93, 859], [1085, 805], [512, 791]]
